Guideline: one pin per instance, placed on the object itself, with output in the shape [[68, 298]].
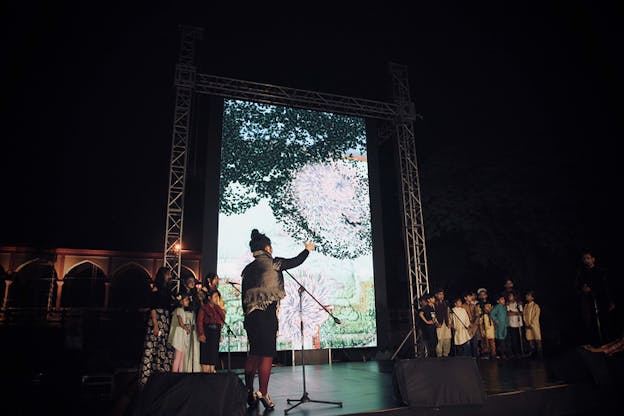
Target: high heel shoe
[[252, 400], [265, 400]]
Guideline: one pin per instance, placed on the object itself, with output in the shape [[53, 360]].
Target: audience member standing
[[596, 302], [443, 324]]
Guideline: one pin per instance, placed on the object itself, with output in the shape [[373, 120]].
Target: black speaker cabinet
[[188, 394], [437, 382]]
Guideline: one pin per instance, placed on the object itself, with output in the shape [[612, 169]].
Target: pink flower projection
[[332, 207], [313, 314]]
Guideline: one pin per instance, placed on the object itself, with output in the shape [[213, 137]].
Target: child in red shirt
[[209, 322]]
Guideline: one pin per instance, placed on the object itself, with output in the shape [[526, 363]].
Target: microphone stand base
[[305, 398]]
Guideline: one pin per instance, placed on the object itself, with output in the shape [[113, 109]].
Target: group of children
[[196, 326], [478, 327]]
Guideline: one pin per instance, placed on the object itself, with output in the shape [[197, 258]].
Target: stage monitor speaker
[[437, 382], [190, 394]]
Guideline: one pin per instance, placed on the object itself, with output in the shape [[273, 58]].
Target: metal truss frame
[[413, 225], [398, 123], [185, 74], [277, 95]]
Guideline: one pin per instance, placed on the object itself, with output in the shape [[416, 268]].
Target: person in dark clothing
[[427, 321], [443, 324], [509, 287], [157, 352], [190, 289], [597, 308], [262, 288], [210, 320]]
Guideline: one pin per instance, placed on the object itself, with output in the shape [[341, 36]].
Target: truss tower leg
[[185, 75], [413, 227]]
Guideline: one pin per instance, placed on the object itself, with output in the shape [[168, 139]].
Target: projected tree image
[[300, 175], [299, 161]]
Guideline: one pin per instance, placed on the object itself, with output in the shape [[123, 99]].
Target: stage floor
[[367, 386]]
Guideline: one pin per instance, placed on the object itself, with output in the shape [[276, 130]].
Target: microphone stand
[[234, 286], [229, 332], [597, 313], [305, 397]]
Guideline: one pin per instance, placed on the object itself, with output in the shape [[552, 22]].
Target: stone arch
[[84, 285], [70, 261], [130, 286], [131, 264], [26, 263], [33, 284]]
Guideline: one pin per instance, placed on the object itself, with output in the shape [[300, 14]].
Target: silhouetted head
[[260, 241], [588, 259], [163, 275]]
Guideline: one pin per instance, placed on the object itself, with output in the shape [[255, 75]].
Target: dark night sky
[[86, 141]]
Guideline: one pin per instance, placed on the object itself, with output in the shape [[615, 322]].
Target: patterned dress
[[157, 352]]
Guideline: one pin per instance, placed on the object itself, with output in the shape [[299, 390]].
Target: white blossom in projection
[[329, 203], [313, 314]]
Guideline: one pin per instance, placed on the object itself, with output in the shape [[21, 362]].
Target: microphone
[[338, 321], [228, 281]]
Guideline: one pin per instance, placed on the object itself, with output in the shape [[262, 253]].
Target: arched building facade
[[80, 278]]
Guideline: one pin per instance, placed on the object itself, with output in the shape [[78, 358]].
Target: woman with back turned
[[262, 289]]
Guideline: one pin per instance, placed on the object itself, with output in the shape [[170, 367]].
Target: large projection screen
[[299, 175]]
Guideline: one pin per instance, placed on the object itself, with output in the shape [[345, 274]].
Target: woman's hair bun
[[258, 240]]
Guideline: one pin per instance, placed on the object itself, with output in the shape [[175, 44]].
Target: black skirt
[[261, 327], [209, 350]]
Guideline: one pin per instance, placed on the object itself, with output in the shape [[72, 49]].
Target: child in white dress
[[180, 335]]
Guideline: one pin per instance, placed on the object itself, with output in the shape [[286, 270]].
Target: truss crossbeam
[[277, 95]]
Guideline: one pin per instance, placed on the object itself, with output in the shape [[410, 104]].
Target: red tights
[[262, 365]]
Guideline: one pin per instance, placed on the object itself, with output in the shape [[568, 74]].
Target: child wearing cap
[[486, 334]]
